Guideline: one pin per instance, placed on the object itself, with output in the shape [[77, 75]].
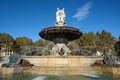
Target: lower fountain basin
[[48, 70]]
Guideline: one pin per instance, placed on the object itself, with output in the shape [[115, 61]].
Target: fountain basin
[[55, 65], [64, 61]]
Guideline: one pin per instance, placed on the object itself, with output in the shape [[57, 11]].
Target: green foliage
[[23, 41], [87, 39], [103, 41], [39, 42], [6, 38], [6, 42]]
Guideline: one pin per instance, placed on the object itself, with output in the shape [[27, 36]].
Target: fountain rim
[[59, 27]]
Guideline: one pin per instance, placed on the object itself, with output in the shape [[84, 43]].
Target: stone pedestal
[[60, 24]]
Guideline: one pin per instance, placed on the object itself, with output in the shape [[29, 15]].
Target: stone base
[[11, 70], [64, 61], [50, 70], [55, 65], [60, 70], [112, 70]]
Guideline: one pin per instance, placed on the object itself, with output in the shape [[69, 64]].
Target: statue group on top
[[60, 17]]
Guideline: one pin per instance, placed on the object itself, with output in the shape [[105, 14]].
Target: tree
[[23, 43], [87, 39], [102, 41], [39, 42], [6, 42], [105, 41]]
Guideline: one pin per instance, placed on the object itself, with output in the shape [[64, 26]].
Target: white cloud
[[83, 11]]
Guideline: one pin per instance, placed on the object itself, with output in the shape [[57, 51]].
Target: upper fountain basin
[[68, 33]]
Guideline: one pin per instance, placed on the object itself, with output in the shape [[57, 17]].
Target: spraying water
[[4, 61], [75, 49], [40, 78]]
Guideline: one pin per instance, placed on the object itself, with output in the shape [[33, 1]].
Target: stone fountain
[[60, 34]]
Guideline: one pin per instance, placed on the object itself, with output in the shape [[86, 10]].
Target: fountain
[[60, 35], [61, 63]]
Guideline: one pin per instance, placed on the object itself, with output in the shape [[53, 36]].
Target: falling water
[[34, 51], [75, 49], [39, 78], [46, 50]]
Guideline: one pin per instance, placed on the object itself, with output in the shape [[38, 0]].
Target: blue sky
[[28, 17]]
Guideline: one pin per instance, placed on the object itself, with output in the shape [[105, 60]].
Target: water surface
[[104, 76]]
